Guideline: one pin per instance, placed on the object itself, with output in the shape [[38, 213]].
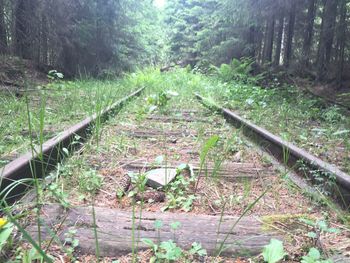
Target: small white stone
[[160, 177]]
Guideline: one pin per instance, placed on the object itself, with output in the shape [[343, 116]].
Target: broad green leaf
[[274, 252], [148, 242], [314, 253], [5, 234], [197, 249], [312, 257]]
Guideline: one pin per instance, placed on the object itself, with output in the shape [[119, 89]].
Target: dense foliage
[[90, 36], [308, 37]]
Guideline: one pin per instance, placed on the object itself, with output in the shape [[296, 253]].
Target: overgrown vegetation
[[65, 102], [256, 58], [296, 116], [81, 180], [97, 38]]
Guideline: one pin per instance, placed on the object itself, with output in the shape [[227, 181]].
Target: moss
[[287, 219]]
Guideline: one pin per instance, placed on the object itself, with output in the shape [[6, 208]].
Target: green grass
[[65, 104], [296, 116]]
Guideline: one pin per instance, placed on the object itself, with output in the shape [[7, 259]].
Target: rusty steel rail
[[45, 159], [289, 154]]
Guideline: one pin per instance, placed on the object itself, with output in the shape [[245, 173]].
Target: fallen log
[[115, 230]]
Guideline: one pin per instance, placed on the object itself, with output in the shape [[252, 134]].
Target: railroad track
[[51, 152], [279, 148], [244, 198]]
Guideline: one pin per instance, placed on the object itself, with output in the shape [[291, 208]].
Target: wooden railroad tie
[[228, 171], [115, 228]]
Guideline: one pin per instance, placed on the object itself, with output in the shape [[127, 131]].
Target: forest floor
[[221, 176], [327, 92]]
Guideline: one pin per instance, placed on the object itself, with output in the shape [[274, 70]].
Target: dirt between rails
[[132, 142]]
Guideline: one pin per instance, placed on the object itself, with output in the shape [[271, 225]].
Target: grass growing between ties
[[220, 174]]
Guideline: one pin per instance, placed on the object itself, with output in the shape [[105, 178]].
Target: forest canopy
[[90, 36], [306, 37]]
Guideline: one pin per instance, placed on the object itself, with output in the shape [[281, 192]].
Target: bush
[[237, 70]]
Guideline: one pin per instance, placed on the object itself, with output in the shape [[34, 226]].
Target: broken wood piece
[[115, 230]]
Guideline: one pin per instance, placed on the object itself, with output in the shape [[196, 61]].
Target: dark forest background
[[306, 38], [81, 36]]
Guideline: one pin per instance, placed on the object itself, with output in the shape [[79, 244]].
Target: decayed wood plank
[[229, 171], [176, 119], [169, 135], [114, 229]]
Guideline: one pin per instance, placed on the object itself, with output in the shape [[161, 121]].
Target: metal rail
[[45, 159], [288, 153]]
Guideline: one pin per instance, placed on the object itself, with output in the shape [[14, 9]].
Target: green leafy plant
[[209, 145], [314, 256], [177, 194], [169, 251], [31, 255], [165, 251], [174, 226], [159, 100], [197, 249], [90, 181], [54, 75], [274, 252], [319, 227], [71, 242], [237, 70], [6, 230], [59, 194]]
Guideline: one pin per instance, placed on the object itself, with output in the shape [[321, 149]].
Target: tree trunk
[[21, 30], [26, 31], [268, 47], [341, 36], [259, 46], [44, 39], [310, 18], [279, 40], [326, 38], [3, 34], [288, 51], [252, 42]]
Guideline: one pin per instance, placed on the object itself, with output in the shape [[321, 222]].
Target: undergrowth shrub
[[237, 70]]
